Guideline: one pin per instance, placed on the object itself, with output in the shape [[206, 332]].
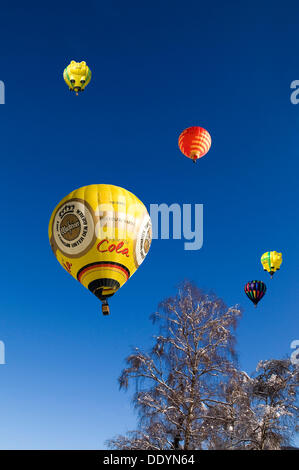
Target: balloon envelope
[[100, 234], [255, 291], [271, 261], [195, 142], [77, 76]]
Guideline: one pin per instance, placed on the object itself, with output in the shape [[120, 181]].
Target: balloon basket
[[105, 308]]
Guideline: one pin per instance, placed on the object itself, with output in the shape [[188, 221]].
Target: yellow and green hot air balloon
[[100, 234], [271, 261], [77, 76]]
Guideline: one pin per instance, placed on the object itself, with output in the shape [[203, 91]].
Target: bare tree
[[260, 412], [225, 421], [180, 379], [274, 401]]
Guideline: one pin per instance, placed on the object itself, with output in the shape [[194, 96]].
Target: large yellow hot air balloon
[[77, 76], [100, 234], [271, 261]]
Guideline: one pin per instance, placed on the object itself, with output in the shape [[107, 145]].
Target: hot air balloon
[[100, 234], [255, 291], [195, 142], [271, 261], [77, 76]]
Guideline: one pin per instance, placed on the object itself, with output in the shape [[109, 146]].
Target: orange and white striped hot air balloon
[[195, 142]]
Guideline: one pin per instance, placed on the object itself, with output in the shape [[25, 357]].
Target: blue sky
[[158, 67]]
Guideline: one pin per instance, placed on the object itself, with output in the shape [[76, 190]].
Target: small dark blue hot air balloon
[[255, 291]]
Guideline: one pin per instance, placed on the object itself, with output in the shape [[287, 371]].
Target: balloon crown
[[69, 208]]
